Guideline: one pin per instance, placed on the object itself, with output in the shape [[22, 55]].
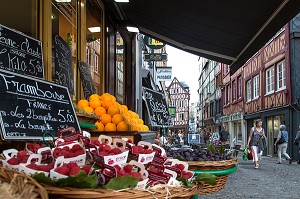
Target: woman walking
[[282, 145], [256, 135]]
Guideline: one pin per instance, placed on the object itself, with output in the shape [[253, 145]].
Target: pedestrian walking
[[297, 143], [282, 141], [224, 136], [254, 142]]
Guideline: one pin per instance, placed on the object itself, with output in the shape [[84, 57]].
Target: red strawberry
[[79, 152], [24, 159], [148, 151], [121, 172], [103, 153], [137, 149], [76, 147], [117, 167], [62, 170], [128, 168], [44, 168], [189, 174], [87, 168], [116, 151], [70, 165], [21, 154], [32, 166], [66, 148], [180, 166], [136, 174], [106, 148], [56, 152], [153, 169], [13, 161], [96, 142], [101, 147], [75, 170]]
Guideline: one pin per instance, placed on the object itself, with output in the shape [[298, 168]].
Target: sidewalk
[[271, 180]]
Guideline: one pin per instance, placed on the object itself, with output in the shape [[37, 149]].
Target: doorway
[[273, 124]]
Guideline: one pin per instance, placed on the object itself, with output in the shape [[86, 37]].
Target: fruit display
[[205, 154], [114, 116]]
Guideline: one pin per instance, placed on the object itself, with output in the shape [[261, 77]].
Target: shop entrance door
[[272, 130]]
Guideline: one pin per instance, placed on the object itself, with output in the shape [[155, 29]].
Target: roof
[[184, 85], [229, 32]]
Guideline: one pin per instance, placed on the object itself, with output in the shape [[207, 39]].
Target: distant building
[[179, 98]]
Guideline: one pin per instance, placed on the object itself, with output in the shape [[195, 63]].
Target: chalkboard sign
[[86, 79], [20, 53], [30, 107], [157, 108], [63, 63]]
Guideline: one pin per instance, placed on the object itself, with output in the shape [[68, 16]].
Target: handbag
[[281, 140]]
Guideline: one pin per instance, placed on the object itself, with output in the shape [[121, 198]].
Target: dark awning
[[227, 31]]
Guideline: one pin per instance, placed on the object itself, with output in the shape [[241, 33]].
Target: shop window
[[120, 68], [64, 33], [22, 17], [281, 79], [270, 80]]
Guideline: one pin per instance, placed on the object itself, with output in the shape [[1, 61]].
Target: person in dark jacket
[[297, 143], [282, 146], [224, 136]]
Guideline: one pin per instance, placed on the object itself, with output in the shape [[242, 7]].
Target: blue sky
[[185, 67]]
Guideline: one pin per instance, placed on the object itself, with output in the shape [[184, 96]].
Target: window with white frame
[[256, 87], [181, 116], [281, 78], [270, 80], [181, 104], [233, 90], [240, 88], [248, 91]]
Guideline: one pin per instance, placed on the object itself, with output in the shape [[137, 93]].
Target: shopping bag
[[250, 154], [245, 154]]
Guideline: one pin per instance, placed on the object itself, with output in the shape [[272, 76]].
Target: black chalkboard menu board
[[86, 79], [20, 53], [157, 108], [63, 63], [30, 107]]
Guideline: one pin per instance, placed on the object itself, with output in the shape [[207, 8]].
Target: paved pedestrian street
[[271, 180]]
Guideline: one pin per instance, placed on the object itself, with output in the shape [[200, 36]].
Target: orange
[[125, 108], [106, 97], [107, 104], [94, 96], [105, 119], [88, 109], [112, 110], [100, 126], [117, 118], [95, 103], [122, 126], [110, 127], [100, 111], [140, 121], [83, 103]]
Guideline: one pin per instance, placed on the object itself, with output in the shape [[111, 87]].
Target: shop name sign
[[20, 54], [155, 57], [153, 43], [30, 107], [164, 74]]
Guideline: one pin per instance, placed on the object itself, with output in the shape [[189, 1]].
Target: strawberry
[[21, 154], [137, 149], [148, 151], [56, 152], [75, 170], [101, 147], [87, 168], [44, 168], [24, 159], [13, 161], [62, 170], [128, 168], [95, 142], [32, 166], [79, 152], [136, 174], [153, 169], [116, 151], [180, 166], [70, 165], [117, 167], [106, 148], [103, 153], [76, 147], [66, 148], [121, 172]]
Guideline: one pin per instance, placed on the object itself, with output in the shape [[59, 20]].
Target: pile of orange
[[114, 116]]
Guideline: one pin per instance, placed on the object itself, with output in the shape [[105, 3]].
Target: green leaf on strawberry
[[123, 182], [41, 178], [206, 177], [81, 180], [185, 182]]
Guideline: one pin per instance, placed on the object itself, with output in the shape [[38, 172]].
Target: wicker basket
[[23, 185], [212, 165], [92, 119], [207, 188], [68, 192]]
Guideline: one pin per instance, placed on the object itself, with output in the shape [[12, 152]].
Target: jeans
[[282, 149]]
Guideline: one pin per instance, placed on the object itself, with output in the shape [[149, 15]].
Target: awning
[[229, 32]]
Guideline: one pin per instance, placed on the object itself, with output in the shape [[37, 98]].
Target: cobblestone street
[[271, 180]]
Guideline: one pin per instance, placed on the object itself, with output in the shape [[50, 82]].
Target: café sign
[[164, 74], [155, 57], [153, 43]]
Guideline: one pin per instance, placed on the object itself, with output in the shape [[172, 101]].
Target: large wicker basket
[[207, 188], [68, 192], [22, 185], [212, 165]]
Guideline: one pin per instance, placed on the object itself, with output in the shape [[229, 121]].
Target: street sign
[[155, 57]]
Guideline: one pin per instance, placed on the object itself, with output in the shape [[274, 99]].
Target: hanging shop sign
[[29, 107], [155, 57], [20, 54], [172, 111], [157, 108], [62, 54], [86, 79], [153, 43], [164, 74]]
